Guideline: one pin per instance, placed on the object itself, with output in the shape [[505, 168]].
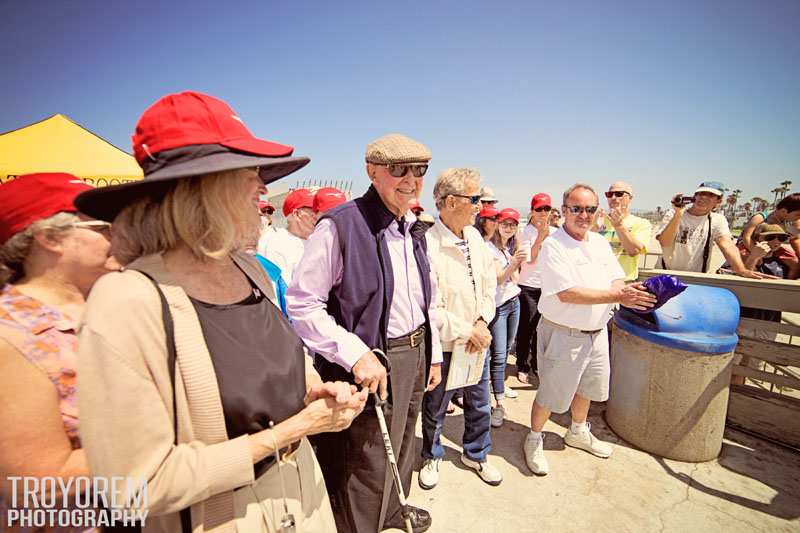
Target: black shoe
[[420, 520]]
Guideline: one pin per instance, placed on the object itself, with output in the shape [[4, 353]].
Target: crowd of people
[[167, 329]]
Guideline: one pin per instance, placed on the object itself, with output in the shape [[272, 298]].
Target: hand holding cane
[[387, 444]]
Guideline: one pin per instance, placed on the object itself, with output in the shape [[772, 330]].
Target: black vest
[[361, 302]]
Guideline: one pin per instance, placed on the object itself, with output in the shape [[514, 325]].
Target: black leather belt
[[413, 339]]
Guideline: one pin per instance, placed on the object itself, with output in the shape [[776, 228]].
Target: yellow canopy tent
[[57, 144]]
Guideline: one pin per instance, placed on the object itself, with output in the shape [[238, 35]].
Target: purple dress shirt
[[321, 269]]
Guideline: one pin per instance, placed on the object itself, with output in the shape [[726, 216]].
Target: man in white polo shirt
[[581, 280]]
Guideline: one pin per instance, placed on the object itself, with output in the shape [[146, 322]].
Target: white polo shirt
[[566, 263]]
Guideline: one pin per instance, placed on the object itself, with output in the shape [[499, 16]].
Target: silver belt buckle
[[416, 338]]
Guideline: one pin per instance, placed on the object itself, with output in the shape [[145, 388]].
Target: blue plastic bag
[[664, 287]]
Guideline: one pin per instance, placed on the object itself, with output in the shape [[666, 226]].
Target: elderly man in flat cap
[[364, 289]]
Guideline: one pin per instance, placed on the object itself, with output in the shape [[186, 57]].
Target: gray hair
[[454, 181], [575, 188], [17, 249]]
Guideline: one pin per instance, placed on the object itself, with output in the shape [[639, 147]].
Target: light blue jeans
[[503, 329]]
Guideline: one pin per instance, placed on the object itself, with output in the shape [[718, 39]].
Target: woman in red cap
[[213, 393], [507, 259], [50, 256]]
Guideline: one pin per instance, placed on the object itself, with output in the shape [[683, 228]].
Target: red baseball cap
[[508, 213], [32, 197], [414, 204], [540, 200], [296, 199], [262, 205], [189, 134], [327, 198], [488, 211]]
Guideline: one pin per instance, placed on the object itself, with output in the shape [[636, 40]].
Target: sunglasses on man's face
[[779, 236], [546, 208], [473, 199], [398, 171], [618, 194], [577, 209]]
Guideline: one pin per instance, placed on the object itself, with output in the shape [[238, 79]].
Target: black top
[[259, 363]]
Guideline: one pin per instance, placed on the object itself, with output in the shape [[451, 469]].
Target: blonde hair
[[211, 214], [454, 181], [16, 250]]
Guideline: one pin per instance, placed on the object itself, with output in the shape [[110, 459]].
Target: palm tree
[[785, 188], [775, 191], [747, 210], [759, 204]]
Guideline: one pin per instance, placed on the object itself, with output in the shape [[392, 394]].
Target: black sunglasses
[[576, 209], [474, 199], [782, 237], [543, 208], [618, 194], [398, 171]]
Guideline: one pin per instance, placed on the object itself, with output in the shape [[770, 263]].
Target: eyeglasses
[[782, 237], [577, 209], [618, 194], [509, 223], [95, 225], [490, 219], [473, 199], [398, 171], [545, 208]]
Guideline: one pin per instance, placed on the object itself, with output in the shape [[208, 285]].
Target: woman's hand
[[337, 390], [326, 415], [520, 256]]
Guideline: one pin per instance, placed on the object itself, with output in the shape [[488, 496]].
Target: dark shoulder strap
[[172, 362], [707, 249]]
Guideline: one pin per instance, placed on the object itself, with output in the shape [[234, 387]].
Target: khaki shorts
[[570, 363]]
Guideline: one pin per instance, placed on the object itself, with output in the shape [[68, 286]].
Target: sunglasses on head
[[473, 199], [576, 209], [543, 208], [398, 171], [96, 225], [782, 237], [618, 194]]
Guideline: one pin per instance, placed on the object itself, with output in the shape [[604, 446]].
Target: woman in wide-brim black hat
[[201, 422]]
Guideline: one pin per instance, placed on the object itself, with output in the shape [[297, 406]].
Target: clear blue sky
[[536, 95]]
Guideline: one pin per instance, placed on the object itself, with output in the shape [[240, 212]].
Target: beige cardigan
[[125, 399], [459, 305]]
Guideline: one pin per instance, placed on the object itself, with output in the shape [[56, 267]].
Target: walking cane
[[387, 444]]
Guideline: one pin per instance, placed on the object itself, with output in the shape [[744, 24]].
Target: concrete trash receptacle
[[670, 374]]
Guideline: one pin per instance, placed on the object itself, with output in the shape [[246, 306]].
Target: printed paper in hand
[[466, 367]]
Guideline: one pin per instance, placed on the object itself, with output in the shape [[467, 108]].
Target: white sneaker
[[586, 441], [511, 393], [485, 470], [533, 449], [498, 414], [429, 473]]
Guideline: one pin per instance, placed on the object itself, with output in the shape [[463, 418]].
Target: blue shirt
[[274, 273]]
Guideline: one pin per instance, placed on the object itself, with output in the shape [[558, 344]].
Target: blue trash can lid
[[700, 319]]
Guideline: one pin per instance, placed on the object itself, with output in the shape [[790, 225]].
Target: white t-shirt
[[566, 263], [530, 275], [690, 240], [283, 249], [509, 289]]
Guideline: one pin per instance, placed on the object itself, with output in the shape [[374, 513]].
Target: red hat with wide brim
[[184, 135]]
